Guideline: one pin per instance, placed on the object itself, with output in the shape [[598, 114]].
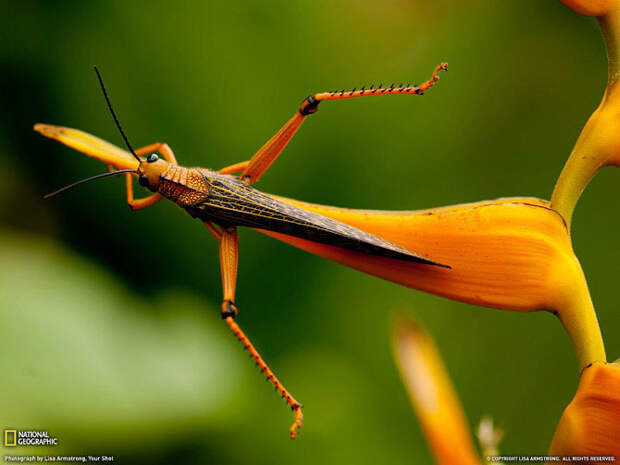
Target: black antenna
[[82, 181], [118, 125]]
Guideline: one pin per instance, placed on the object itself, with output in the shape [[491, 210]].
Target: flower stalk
[[598, 144]]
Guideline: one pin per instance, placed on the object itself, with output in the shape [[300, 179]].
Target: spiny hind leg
[[267, 154], [139, 204], [229, 255]]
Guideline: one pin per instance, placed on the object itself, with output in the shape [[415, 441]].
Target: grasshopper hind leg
[[254, 168]]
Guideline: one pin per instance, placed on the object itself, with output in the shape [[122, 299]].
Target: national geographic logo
[[14, 438]]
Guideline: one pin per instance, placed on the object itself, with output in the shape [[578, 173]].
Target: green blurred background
[[110, 335]]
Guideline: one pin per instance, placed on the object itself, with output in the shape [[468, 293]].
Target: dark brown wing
[[233, 202]]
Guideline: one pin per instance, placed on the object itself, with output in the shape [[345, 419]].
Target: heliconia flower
[[512, 254], [590, 424], [432, 395]]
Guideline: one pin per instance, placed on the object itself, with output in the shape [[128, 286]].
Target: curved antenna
[[118, 125], [82, 181]]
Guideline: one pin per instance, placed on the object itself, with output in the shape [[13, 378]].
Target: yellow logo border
[[6, 438]]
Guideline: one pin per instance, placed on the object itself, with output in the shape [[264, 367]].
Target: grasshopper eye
[[143, 180], [152, 158]]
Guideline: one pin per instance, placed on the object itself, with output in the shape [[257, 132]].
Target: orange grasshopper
[[223, 201]]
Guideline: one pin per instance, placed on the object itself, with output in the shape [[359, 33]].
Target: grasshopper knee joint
[[309, 105], [229, 309]]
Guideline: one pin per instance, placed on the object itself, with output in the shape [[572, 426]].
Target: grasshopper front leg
[[229, 257]]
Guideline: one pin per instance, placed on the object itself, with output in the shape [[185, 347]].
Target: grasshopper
[[225, 199]]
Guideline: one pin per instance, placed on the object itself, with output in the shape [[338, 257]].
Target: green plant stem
[[597, 144]]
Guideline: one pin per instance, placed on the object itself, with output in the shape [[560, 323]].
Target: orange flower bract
[[590, 424], [512, 254], [432, 395]]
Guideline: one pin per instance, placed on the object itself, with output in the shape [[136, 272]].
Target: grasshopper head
[[150, 170]]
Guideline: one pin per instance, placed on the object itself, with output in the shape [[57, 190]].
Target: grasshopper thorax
[[184, 186]]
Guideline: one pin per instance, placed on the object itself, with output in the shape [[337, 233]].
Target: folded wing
[[233, 202]]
